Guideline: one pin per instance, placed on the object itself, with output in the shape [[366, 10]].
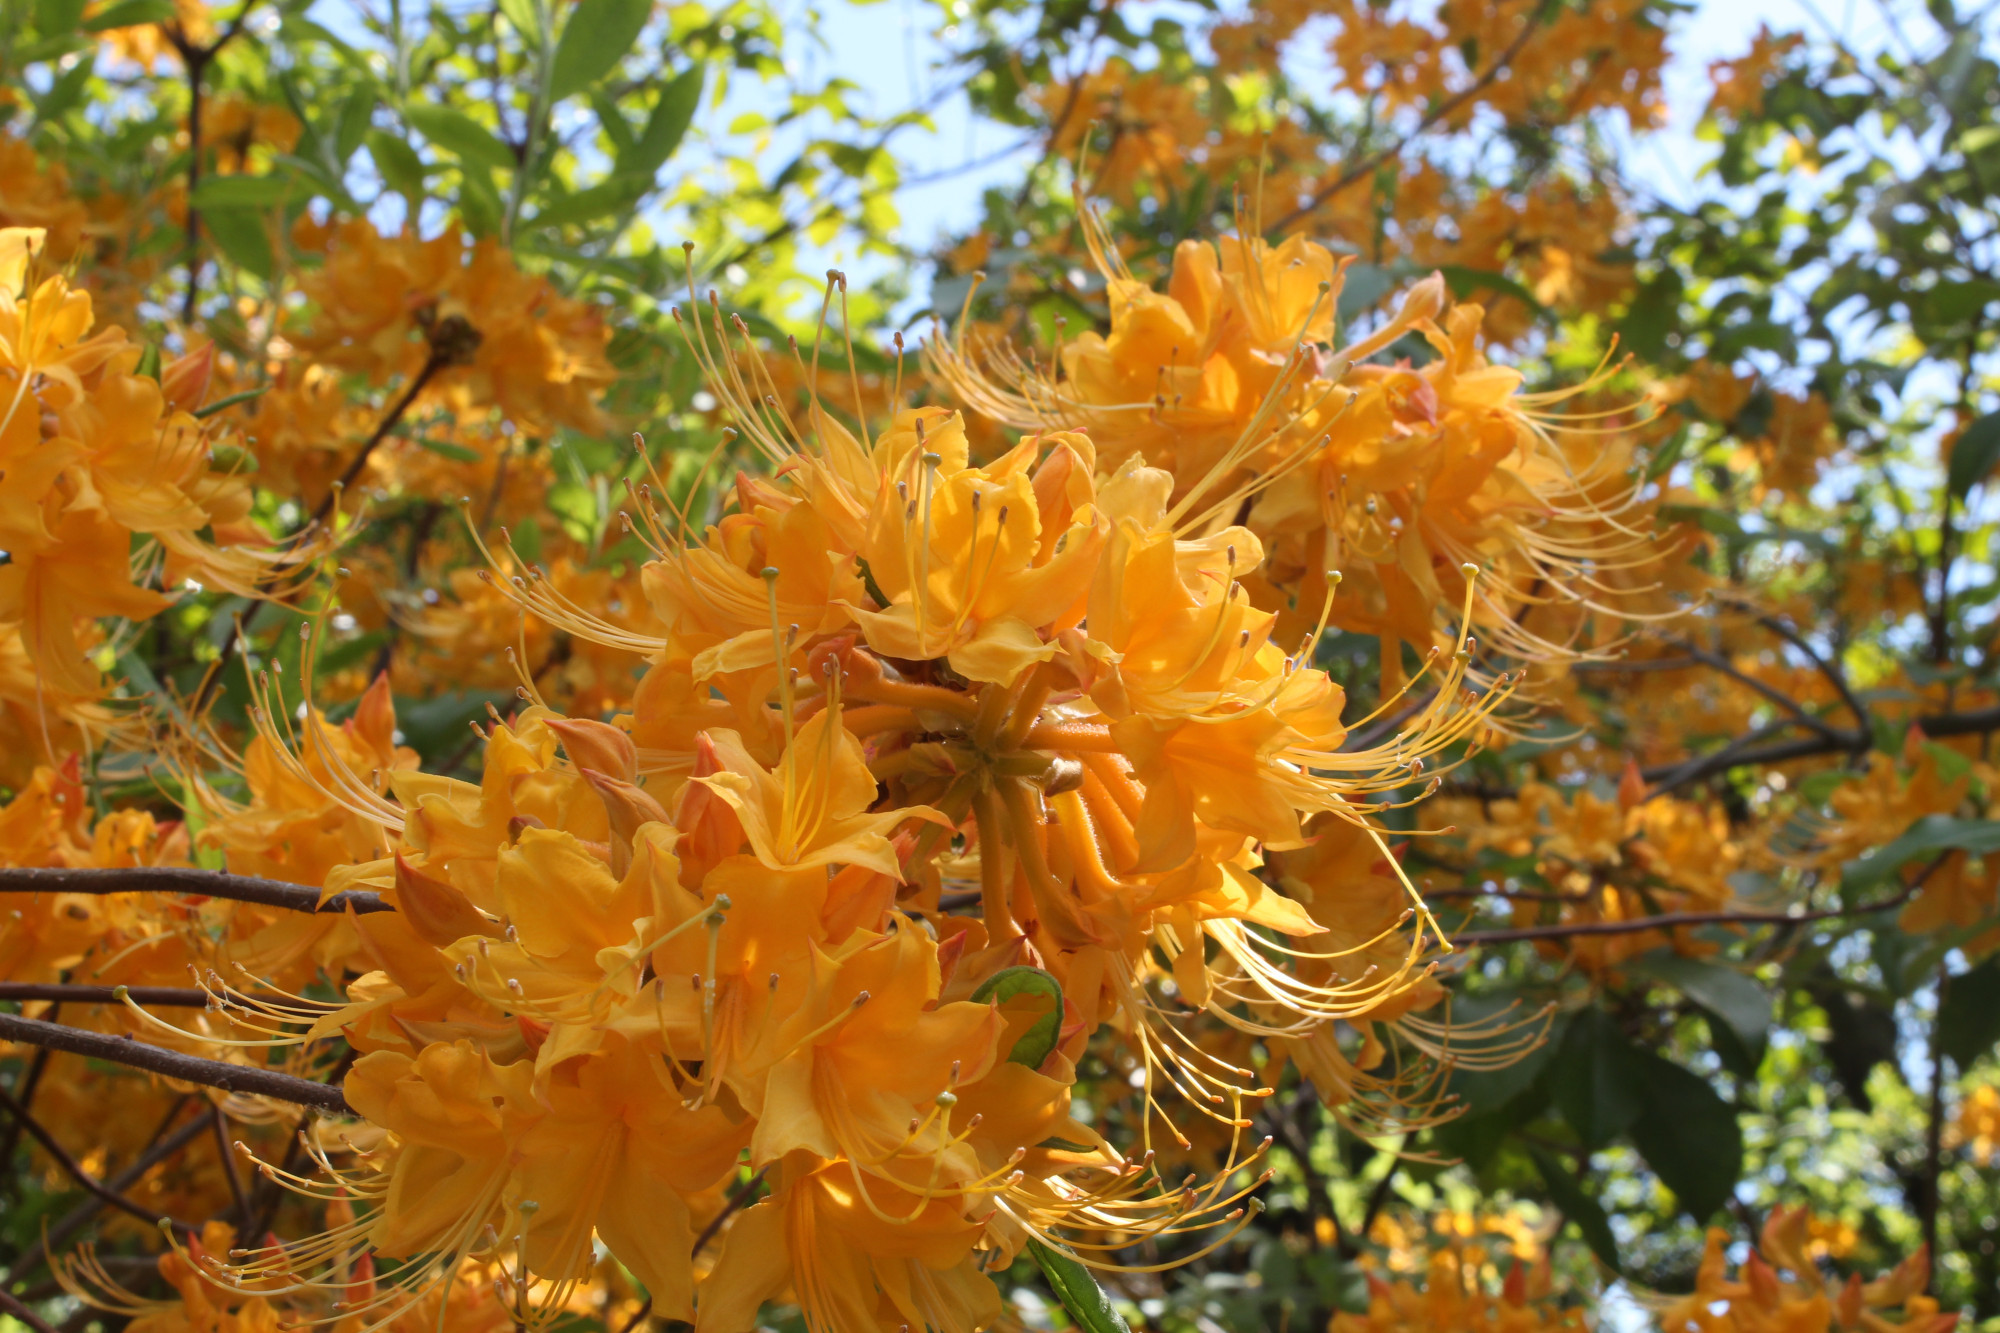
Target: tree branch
[[1368, 165], [187, 880], [1676, 919], [173, 1064], [13, 1306], [73, 1168], [161, 1149], [172, 997]]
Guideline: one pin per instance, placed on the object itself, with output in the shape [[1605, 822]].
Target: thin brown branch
[[13, 1306], [73, 1168], [1369, 165], [219, 1123], [189, 881], [173, 1064], [737, 1198], [170, 997], [25, 1087], [164, 1146], [1673, 920]]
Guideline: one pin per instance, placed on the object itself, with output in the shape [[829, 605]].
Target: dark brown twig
[[161, 1149], [17, 1310], [196, 58], [220, 1124], [1368, 165], [25, 1087], [173, 1064], [1676, 919], [185, 880], [71, 1167], [172, 997], [737, 1198]]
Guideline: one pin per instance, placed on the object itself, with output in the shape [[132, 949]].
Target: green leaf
[[460, 135], [400, 167], [1668, 454], [479, 203], [1483, 1091], [435, 726], [1078, 1291], [457, 453], [526, 19], [130, 14], [1974, 455], [1566, 1192], [1927, 837], [1034, 1045], [1466, 282], [149, 362], [66, 93], [1732, 997], [223, 404], [605, 197], [1968, 1021], [1688, 1135], [240, 234], [58, 18], [595, 39], [206, 855], [353, 125], [1596, 1079], [668, 124], [242, 191]]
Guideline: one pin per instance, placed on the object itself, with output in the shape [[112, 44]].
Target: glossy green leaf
[[1928, 837], [460, 135], [1725, 992], [400, 167], [667, 126], [353, 125], [1597, 1078], [1034, 1045], [588, 205], [1078, 1291], [1974, 456], [242, 191], [241, 236], [596, 38], [56, 18], [1688, 1136], [1566, 1192], [526, 17], [66, 93], [458, 453], [130, 14], [1968, 1021]]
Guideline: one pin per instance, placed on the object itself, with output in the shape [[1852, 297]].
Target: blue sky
[[887, 47]]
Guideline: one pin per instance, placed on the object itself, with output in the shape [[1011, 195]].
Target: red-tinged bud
[[598, 745], [437, 911], [709, 829], [185, 379], [1631, 786], [374, 720], [629, 807]]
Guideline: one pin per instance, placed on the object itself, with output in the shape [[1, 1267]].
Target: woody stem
[[173, 1064], [187, 880]]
